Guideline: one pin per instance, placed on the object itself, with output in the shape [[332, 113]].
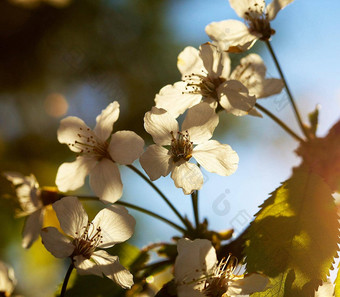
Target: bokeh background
[[74, 57]]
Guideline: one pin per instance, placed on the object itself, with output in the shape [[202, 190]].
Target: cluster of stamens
[[202, 84], [88, 143], [216, 285], [88, 241], [49, 195], [258, 21], [181, 146]]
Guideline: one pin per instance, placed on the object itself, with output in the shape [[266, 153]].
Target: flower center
[[202, 84], [258, 21], [88, 144], [49, 195], [87, 243], [181, 146], [217, 284]]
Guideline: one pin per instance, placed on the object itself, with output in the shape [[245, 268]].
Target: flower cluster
[[182, 124]]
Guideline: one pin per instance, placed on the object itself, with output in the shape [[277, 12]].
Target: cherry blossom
[[7, 280], [111, 225], [98, 155], [235, 36], [198, 273], [33, 201], [252, 73], [205, 75], [174, 148]]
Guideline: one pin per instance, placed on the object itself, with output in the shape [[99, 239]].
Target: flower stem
[[297, 114], [194, 199], [279, 122], [66, 279], [150, 213], [141, 209], [143, 176]]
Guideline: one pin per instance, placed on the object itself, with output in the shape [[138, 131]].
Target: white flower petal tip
[[105, 181], [216, 157], [198, 273], [110, 226], [159, 124], [235, 98], [106, 120], [188, 177], [126, 147]]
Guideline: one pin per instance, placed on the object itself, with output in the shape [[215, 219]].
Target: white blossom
[[111, 225], [199, 274], [236, 36], [7, 280], [173, 148], [33, 201], [205, 75], [98, 155], [252, 73]]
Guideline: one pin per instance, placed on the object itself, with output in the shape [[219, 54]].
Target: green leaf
[[294, 236], [337, 284]]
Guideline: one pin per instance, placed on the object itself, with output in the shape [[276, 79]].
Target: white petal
[[234, 98], [159, 124], [71, 176], [71, 215], [156, 161], [189, 61], [73, 129], [7, 279], [249, 66], [188, 177], [116, 225], [27, 190], [105, 181], [216, 157], [15, 178], [271, 86], [200, 122], [111, 267], [125, 147], [248, 284], [275, 6], [32, 228], [231, 35], [85, 266], [106, 120], [56, 243], [176, 99], [212, 59], [195, 259], [242, 6], [325, 290]]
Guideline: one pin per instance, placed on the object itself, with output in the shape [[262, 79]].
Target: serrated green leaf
[[337, 284], [294, 237]]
